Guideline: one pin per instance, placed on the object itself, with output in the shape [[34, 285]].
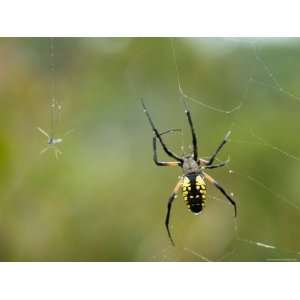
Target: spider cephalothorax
[[193, 179], [189, 165]]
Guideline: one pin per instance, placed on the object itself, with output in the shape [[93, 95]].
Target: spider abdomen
[[194, 192]]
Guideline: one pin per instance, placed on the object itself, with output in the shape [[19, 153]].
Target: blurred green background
[[104, 199]]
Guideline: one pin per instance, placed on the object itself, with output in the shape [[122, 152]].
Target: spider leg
[[170, 202], [224, 141], [162, 163], [202, 161], [221, 189], [168, 152], [194, 137], [221, 164]]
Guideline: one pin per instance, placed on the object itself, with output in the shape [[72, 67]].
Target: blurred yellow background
[[104, 199]]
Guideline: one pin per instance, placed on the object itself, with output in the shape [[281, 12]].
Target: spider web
[[274, 212], [259, 103]]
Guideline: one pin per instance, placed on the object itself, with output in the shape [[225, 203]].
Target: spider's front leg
[[205, 165], [224, 141], [170, 202], [194, 137], [162, 163], [155, 131], [221, 189]]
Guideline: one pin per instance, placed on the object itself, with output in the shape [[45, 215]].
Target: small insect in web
[[193, 179], [52, 140]]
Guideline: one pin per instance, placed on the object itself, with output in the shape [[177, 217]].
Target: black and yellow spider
[[193, 179]]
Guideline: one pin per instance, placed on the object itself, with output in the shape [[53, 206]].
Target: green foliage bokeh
[[104, 199]]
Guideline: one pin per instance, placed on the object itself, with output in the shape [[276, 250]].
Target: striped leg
[[170, 202], [162, 163], [221, 189]]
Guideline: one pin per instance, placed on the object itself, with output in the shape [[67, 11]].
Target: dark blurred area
[[104, 199]]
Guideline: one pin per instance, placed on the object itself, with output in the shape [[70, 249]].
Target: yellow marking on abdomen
[[194, 192]]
